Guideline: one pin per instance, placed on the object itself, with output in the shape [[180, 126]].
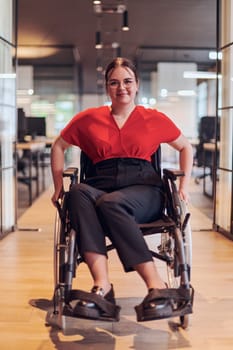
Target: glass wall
[[224, 191], [7, 116]]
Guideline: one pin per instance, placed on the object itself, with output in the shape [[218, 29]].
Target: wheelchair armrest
[[173, 173], [71, 172]]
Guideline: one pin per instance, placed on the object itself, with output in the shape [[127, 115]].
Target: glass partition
[[224, 183], [7, 117]]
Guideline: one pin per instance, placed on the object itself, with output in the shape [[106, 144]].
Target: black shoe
[[95, 305], [110, 296], [156, 305]]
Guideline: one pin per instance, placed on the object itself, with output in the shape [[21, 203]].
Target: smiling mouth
[[122, 94]]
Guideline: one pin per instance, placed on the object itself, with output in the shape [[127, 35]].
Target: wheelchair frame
[[175, 249]]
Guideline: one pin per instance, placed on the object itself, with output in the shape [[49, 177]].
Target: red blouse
[[97, 134]]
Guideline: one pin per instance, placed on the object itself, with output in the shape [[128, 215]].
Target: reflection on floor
[[27, 288]]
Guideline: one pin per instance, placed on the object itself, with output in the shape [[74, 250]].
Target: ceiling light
[[152, 101], [115, 45], [30, 92], [98, 44], [35, 51], [7, 76], [186, 93], [213, 55], [144, 100], [99, 69], [199, 75], [163, 92], [125, 24]]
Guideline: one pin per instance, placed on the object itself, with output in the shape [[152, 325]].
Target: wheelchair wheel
[[64, 263], [178, 246], [187, 239], [59, 251]]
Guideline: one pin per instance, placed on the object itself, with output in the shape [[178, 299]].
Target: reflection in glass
[[223, 200]]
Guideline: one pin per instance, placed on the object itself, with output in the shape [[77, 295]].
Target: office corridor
[[27, 286]]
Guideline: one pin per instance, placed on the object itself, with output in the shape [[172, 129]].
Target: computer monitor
[[36, 126]]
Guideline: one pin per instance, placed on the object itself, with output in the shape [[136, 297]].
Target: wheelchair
[[174, 247]]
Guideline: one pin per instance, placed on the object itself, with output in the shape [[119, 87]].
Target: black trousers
[[96, 214]]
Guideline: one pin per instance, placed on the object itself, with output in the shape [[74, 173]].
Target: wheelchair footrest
[[95, 307], [165, 303]]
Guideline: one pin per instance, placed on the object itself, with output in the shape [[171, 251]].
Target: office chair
[[204, 158]]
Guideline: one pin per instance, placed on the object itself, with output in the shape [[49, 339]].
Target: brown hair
[[120, 62]]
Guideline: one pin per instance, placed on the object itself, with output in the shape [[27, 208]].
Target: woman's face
[[122, 86]]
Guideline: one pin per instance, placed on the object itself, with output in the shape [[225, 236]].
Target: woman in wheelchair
[[120, 141]]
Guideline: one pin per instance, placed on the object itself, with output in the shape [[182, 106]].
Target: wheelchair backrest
[[87, 168]]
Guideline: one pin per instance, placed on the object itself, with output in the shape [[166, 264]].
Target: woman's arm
[[57, 166], [182, 145]]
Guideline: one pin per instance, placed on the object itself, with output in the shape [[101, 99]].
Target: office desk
[[32, 151], [30, 146]]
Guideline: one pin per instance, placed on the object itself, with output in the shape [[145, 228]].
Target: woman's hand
[[184, 195], [56, 196], [182, 145]]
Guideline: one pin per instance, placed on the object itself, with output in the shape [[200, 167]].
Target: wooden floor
[[26, 262]]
